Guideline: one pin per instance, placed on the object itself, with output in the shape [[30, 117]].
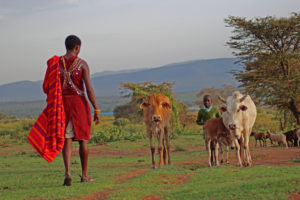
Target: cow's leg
[[221, 153], [260, 143], [168, 145], [152, 148], [209, 152], [204, 133], [217, 153], [160, 148], [242, 150], [295, 142], [255, 142], [238, 155], [164, 152], [212, 155], [247, 152], [227, 150]]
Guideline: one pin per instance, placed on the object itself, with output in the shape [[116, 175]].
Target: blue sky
[[120, 34]]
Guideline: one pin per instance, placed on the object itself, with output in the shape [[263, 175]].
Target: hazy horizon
[[120, 34]]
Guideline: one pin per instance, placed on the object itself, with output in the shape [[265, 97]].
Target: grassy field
[[122, 171]]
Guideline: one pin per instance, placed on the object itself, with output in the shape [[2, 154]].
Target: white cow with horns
[[239, 116]]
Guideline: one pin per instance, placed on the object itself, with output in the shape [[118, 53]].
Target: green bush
[[121, 122], [130, 132]]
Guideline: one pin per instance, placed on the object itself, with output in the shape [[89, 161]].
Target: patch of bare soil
[[152, 197], [104, 195], [122, 178], [13, 150], [130, 175], [122, 165], [260, 156], [107, 151], [294, 196], [170, 180], [275, 156]]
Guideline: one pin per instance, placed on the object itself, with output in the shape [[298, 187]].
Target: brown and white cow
[[156, 114], [239, 116]]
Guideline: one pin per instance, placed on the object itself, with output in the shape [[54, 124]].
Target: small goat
[[279, 138]]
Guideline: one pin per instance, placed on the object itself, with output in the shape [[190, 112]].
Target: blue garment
[[207, 109]]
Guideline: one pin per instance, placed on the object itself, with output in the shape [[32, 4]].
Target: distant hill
[[188, 76], [105, 73]]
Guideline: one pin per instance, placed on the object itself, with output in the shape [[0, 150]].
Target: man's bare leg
[[84, 154], [67, 153]]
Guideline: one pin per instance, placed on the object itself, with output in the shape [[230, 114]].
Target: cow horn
[[243, 98], [221, 99]]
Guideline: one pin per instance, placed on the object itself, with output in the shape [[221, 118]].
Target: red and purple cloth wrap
[[48, 133]]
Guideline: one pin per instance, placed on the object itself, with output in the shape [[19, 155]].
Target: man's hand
[[96, 118]]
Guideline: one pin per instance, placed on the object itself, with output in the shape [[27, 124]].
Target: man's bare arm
[[89, 89]]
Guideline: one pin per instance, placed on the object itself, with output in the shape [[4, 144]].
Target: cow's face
[[155, 107], [232, 113]]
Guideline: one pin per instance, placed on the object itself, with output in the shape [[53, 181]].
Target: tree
[[139, 92], [269, 49], [129, 111]]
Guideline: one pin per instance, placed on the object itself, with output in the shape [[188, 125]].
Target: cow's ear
[[223, 109], [144, 105], [166, 105], [243, 107]]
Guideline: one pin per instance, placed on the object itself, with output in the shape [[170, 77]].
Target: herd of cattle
[[232, 130]]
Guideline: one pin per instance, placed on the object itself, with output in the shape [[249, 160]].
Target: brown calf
[[156, 114], [216, 132], [260, 137]]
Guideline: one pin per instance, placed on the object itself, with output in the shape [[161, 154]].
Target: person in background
[[207, 112]]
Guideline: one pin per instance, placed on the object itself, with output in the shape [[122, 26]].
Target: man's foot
[[87, 179], [68, 180]]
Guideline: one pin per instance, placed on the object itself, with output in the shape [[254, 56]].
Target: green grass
[[25, 175]]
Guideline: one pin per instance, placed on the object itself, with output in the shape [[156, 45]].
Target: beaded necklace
[[67, 72]]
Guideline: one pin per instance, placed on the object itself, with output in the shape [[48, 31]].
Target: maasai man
[[206, 113], [75, 74]]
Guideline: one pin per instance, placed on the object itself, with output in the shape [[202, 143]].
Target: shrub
[[121, 122]]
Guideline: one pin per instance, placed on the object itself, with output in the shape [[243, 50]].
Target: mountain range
[[187, 76]]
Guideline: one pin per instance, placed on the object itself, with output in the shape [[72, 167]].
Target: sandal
[[68, 180], [87, 179]]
